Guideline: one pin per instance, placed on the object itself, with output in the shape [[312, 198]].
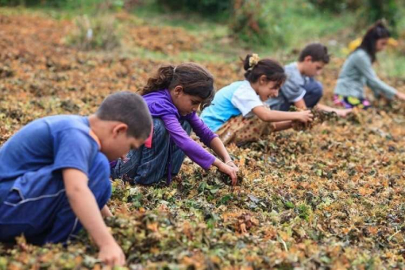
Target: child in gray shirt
[[301, 89], [358, 72]]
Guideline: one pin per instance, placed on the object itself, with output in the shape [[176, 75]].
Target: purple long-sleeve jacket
[[161, 105]]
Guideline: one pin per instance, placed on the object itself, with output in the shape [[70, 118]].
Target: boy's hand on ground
[[112, 255], [343, 112], [401, 96], [85, 207], [305, 116], [105, 212]]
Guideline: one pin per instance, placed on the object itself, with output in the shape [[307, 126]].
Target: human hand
[[105, 212], [112, 255], [232, 164], [343, 112], [400, 96], [230, 171], [305, 116]]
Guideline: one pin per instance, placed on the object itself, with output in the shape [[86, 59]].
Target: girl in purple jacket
[[173, 96]]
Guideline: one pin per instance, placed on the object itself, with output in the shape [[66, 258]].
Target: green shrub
[[53, 3], [374, 10], [337, 6], [67, 4], [100, 32], [203, 7], [253, 23], [368, 11]]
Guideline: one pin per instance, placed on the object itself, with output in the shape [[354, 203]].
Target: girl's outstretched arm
[[219, 149], [278, 126], [267, 115], [339, 112]]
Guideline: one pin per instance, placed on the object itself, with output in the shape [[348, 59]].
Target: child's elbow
[[263, 117], [75, 191]]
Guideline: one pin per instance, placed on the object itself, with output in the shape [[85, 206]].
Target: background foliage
[[252, 21], [331, 197]]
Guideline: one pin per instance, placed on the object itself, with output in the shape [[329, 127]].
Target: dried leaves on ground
[[328, 197]]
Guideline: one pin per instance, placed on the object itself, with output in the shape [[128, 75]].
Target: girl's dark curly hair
[[195, 80]]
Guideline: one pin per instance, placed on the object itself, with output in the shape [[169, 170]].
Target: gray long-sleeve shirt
[[357, 71]]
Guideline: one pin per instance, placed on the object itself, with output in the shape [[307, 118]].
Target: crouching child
[[54, 173]]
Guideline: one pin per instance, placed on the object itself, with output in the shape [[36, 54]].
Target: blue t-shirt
[[40, 150], [238, 98]]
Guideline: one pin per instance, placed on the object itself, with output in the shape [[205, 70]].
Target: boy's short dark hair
[[128, 108], [317, 51]]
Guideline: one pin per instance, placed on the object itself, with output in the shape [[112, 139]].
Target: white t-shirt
[[246, 99]]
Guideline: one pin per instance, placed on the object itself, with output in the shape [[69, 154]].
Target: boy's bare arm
[[85, 207], [278, 126], [339, 112], [300, 104]]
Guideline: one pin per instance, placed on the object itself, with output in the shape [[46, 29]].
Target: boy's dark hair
[[195, 80], [268, 67], [128, 108], [317, 51], [375, 32]]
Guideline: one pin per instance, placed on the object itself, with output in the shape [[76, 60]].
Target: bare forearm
[[267, 115], [219, 149], [300, 104], [86, 209], [325, 108], [279, 116], [84, 205], [281, 125]]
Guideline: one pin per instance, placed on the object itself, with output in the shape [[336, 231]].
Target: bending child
[[54, 173], [238, 113], [301, 89], [357, 72], [173, 97]]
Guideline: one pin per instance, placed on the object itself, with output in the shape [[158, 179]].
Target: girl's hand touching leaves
[[400, 96], [230, 171], [305, 116]]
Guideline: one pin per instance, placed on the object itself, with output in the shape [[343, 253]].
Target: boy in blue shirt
[[54, 173], [301, 89]]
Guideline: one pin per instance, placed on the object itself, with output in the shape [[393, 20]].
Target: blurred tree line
[[369, 10], [249, 20]]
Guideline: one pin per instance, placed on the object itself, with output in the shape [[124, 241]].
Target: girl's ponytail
[[256, 67], [195, 80], [160, 81], [377, 31]]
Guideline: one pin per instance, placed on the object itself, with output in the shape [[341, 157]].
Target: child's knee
[[316, 90], [159, 128], [319, 87]]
